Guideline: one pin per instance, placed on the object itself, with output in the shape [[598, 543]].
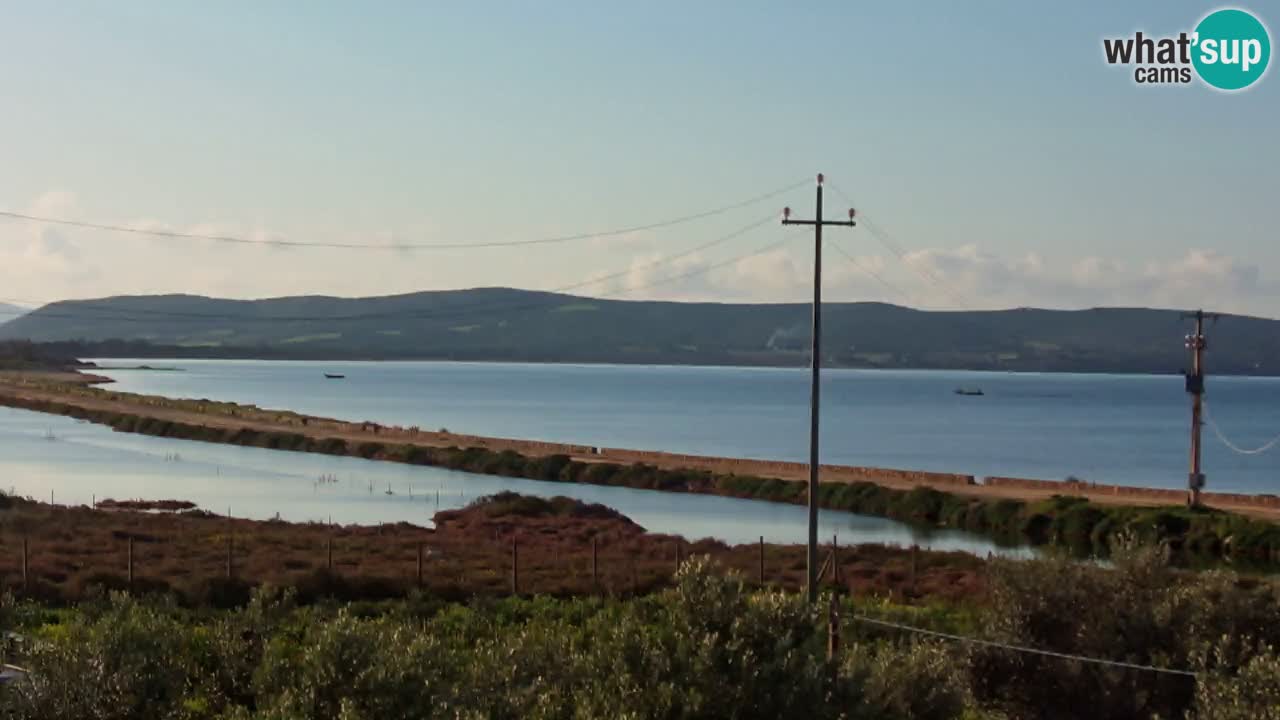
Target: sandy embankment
[[73, 388]]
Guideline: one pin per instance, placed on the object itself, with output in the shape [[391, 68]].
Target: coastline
[[588, 362], [81, 390], [1085, 518]]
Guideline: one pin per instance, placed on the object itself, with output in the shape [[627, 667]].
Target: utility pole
[[815, 362], [1196, 343]]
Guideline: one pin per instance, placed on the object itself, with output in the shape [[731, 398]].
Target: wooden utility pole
[[815, 362], [1196, 343]]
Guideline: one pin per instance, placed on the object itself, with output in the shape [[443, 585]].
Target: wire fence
[[381, 562]]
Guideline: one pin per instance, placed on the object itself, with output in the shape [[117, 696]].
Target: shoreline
[[80, 389], [1082, 517], [73, 548], [710, 366]]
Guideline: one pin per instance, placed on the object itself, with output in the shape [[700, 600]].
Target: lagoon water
[[1120, 429], [79, 462], [1124, 429]]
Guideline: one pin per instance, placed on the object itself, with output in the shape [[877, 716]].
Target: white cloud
[[40, 262], [1197, 278], [969, 276], [770, 272]]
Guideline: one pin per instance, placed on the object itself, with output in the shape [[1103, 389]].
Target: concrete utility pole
[[816, 365], [1196, 343]]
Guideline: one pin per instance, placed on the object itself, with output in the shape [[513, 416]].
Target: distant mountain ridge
[[9, 312], [522, 325]]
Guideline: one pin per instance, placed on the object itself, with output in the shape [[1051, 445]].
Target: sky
[[999, 160]]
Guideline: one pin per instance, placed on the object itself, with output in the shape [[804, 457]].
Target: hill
[[9, 311], [506, 324], [23, 355]]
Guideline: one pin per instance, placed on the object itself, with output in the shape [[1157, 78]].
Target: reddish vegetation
[[72, 552]]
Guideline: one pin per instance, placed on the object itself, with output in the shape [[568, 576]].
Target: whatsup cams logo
[[1229, 49]]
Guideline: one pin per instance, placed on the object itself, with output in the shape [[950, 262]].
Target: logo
[[1228, 50]]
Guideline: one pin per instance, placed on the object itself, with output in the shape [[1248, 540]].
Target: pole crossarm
[[845, 223]]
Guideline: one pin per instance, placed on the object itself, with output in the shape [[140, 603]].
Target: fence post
[[595, 564], [761, 560], [515, 567], [835, 558], [130, 563], [833, 628], [26, 578], [915, 551], [419, 579], [328, 554], [230, 569], [679, 554]]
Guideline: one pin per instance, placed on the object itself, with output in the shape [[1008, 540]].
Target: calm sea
[[1125, 429]]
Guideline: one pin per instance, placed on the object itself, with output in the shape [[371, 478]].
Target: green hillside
[[505, 324]]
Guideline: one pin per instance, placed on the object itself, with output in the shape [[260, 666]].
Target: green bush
[[709, 647]]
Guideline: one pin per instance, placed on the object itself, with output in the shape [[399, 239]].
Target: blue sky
[[989, 139]]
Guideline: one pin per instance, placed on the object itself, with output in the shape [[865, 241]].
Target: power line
[[1213, 424], [883, 238], [128, 315], [708, 268], [1022, 649], [240, 240], [871, 273]]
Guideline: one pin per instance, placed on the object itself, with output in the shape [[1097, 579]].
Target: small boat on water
[[334, 376], [969, 391]]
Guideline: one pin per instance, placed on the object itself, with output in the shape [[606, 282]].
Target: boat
[[969, 391], [334, 376]]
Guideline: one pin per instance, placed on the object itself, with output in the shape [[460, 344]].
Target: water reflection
[[78, 462]]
